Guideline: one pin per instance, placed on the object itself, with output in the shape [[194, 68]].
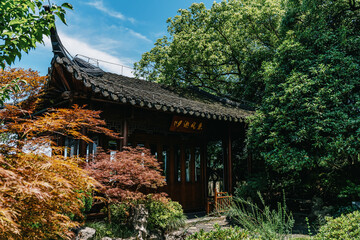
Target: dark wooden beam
[[62, 76]]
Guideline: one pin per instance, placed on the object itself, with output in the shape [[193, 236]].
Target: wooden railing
[[219, 203]]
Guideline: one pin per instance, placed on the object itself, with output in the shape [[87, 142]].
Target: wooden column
[[192, 164], [125, 133], [183, 192], [82, 144], [224, 147], [229, 161], [204, 163], [171, 169]]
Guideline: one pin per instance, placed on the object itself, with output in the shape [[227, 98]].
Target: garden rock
[[177, 235], [139, 221], [86, 234], [108, 238]]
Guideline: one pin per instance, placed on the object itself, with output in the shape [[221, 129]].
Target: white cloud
[[129, 31], [47, 42], [99, 4], [138, 35], [108, 44], [77, 46]]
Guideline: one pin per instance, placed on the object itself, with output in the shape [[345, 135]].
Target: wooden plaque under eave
[[186, 124]]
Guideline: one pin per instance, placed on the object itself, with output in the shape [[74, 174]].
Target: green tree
[[219, 50], [24, 23], [309, 117]]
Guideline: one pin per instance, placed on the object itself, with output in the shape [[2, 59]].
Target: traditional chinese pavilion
[[175, 124]]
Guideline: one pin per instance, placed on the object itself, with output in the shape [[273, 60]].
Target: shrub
[[351, 191], [345, 210], [119, 213], [252, 185], [87, 200], [267, 223], [232, 233], [112, 230], [345, 227], [164, 215]]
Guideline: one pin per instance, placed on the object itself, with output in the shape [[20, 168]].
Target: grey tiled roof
[[145, 94]]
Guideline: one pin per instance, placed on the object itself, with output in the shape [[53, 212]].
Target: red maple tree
[[127, 175]]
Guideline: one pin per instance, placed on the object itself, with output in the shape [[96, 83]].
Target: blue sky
[[115, 31]]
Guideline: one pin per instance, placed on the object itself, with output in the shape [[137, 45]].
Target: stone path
[[196, 223], [204, 222]]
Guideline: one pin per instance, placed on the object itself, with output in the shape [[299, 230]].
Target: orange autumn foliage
[[40, 195], [30, 87], [64, 122]]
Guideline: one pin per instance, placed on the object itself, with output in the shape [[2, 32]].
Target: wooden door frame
[[173, 184]]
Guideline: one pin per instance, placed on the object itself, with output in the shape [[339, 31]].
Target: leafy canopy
[[219, 50], [310, 115], [24, 23]]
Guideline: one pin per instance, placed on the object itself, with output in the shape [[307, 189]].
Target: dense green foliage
[[24, 23], [119, 213], [345, 227], [164, 215], [308, 122], [232, 233], [310, 112], [219, 50]]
